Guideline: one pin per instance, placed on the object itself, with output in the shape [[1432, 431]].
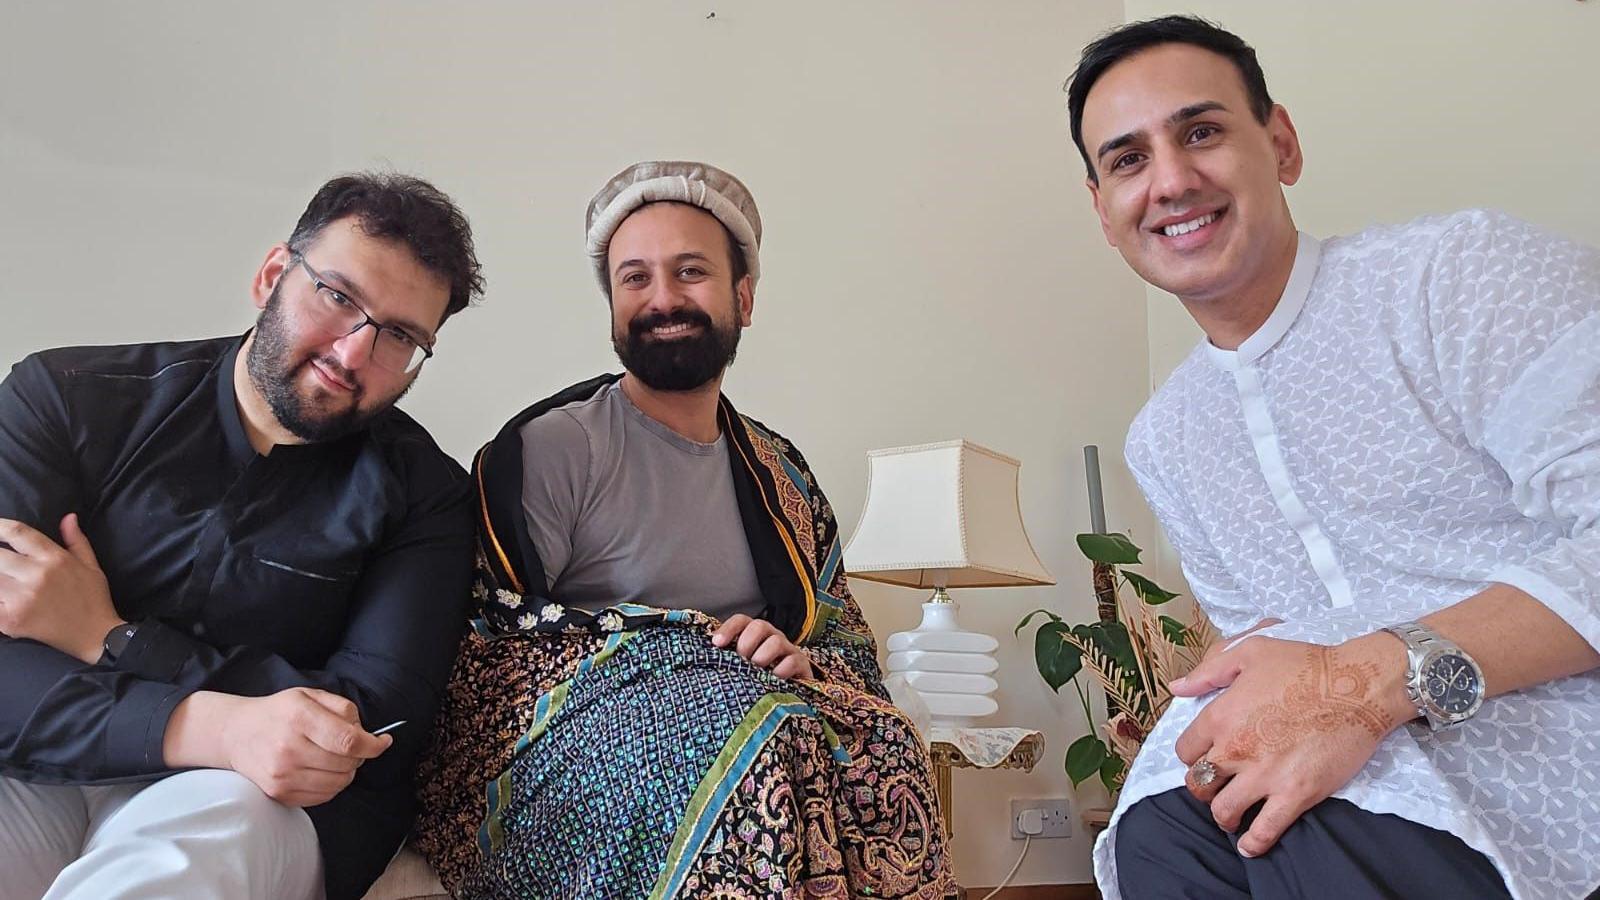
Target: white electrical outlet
[[1055, 816]]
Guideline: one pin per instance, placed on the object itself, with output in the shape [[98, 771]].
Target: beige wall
[[931, 270]]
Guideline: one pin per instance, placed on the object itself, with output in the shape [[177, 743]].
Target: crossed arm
[[301, 745], [175, 700]]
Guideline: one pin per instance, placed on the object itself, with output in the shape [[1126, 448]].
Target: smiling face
[[1189, 183], [676, 309], [317, 385]]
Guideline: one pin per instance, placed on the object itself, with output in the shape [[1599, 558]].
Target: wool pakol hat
[[695, 183]]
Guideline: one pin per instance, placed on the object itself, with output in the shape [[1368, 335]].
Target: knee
[[1141, 831], [225, 789], [233, 801], [1167, 846], [1157, 826], [1142, 838]]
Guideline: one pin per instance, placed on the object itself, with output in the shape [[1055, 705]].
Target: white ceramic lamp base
[[947, 667]]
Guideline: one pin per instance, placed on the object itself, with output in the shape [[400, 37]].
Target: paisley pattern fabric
[[617, 753]]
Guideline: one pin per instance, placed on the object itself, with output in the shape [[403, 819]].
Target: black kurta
[[343, 566]]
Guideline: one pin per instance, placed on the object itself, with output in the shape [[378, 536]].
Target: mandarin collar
[[1307, 256], [233, 433]]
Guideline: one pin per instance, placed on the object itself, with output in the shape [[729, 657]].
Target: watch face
[[1451, 684]]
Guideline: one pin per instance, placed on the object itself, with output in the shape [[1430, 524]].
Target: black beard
[[681, 364], [273, 372]]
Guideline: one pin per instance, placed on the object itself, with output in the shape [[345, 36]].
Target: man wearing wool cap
[[669, 685]]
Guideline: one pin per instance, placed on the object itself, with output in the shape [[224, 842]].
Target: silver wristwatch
[[1442, 681]]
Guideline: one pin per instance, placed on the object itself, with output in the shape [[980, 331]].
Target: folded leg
[[207, 834], [1167, 846], [42, 828]]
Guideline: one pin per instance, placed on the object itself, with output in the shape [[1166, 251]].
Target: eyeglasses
[[338, 316]]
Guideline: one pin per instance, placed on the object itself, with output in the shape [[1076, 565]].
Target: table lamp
[[943, 516]]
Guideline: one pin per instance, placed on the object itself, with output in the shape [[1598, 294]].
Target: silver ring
[[1203, 772]]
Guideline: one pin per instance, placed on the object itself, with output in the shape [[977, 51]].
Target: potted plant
[[1131, 652]]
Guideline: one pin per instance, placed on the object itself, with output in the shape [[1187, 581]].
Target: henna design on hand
[[1328, 695]]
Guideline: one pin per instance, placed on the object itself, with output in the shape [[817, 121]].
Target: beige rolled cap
[[695, 183]]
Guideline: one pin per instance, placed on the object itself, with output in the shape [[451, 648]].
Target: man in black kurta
[[285, 561]]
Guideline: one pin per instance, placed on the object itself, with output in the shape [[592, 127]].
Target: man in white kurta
[[1412, 422], [1418, 418]]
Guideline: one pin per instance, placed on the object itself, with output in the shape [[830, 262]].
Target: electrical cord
[[1026, 842]]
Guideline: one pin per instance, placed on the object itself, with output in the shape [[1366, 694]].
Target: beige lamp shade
[[943, 515]]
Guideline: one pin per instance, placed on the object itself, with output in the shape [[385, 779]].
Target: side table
[[978, 748]]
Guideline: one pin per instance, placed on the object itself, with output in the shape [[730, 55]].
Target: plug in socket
[[1055, 816]]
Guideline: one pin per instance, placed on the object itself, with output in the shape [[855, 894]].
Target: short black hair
[[406, 209], [737, 263], [1120, 43]]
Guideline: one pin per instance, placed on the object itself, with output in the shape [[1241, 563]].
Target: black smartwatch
[[117, 641]]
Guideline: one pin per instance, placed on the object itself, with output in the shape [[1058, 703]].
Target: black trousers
[[1168, 847]]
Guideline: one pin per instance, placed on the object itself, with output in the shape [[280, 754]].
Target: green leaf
[[1111, 638], [1175, 631], [1148, 591], [1109, 770], [1058, 660], [1029, 618], [1085, 757], [1113, 549]]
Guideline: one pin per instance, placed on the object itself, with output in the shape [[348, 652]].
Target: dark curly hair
[[1119, 44], [401, 208]]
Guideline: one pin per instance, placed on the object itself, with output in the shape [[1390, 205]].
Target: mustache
[[648, 321], [340, 372]]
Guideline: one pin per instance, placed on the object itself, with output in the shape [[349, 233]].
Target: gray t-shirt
[[623, 508]]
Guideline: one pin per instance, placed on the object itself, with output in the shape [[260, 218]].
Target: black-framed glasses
[[332, 310]]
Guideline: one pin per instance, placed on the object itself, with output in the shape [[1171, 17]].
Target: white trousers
[[207, 834]]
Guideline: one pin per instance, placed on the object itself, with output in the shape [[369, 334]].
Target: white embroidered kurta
[[1418, 418]]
